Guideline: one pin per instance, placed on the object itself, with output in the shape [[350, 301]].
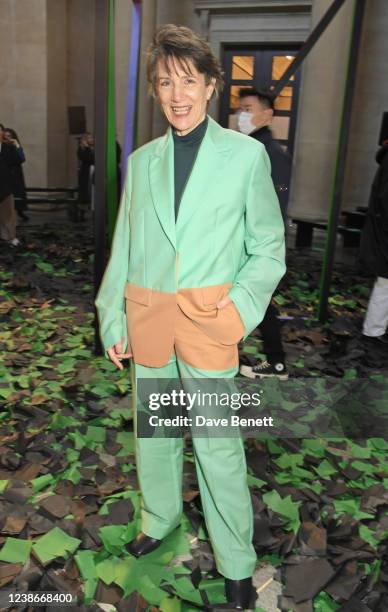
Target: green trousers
[[222, 478]]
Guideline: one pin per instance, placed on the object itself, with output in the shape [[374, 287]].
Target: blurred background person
[[255, 118], [18, 182], [8, 159], [118, 169], [374, 252], [85, 154]]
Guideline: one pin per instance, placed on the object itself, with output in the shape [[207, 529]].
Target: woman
[[9, 158], [18, 182], [197, 253]]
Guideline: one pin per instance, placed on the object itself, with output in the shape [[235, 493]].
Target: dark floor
[[69, 500]]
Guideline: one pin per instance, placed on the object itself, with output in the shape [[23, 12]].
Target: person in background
[[374, 253], [118, 169], [18, 182], [255, 118], [85, 156], [86, 160], [8, 159]]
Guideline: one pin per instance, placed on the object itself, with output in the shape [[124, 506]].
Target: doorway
[[261, 68]]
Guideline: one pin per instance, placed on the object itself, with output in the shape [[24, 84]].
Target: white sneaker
[[14, 242], [265, 370]]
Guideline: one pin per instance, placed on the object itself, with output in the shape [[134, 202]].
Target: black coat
[[9, 159], [280, 165], [18, 182], [85, 159], [374, 239]]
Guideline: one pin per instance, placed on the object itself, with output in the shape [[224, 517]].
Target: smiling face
[[182, 93]]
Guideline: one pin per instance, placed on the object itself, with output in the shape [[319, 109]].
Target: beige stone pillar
[[319, 115], [370, 101], [123, 17], [23, 80], [57, 123], [145, 102], [80, 69]]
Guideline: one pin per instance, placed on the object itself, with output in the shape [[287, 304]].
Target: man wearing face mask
[[255, 118]]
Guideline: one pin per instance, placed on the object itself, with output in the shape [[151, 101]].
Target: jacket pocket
[[231, 327], [223, 325], [139, 295]]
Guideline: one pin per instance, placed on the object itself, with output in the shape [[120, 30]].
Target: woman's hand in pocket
[[224, 302], [116, 354]]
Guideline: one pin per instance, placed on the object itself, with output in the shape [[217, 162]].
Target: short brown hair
[[178, 42]]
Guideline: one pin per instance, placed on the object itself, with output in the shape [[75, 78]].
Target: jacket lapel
[[211, 159], [161, 175]]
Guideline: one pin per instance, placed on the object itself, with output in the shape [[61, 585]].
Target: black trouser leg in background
[[270, 332]]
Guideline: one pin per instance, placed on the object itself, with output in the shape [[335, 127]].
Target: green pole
[[111, 168]]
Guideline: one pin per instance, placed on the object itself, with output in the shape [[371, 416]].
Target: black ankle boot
[[142, 545], [239, 592]]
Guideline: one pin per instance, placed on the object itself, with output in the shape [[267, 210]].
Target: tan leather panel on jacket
[[188, 321]]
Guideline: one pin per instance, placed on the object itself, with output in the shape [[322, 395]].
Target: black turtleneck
[[185, 152]]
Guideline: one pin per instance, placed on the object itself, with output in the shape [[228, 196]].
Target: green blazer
[[228, 238]]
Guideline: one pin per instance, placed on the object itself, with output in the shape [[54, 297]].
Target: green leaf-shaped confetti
[[3, 485], [55, 543], [15, 550], [367, 535], [352, 507], [85, 563], [171, 605], [324, 603], [42, 482], [96, 434], [325, 469], [285, 507]]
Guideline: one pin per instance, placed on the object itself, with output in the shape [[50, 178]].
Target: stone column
[[80, 69], [57, 123], [370, 101], [319, 115], [23, 81], [123, 16], [145, 101]]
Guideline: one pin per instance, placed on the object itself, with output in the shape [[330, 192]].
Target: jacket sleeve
[[383, 195], [281, 171], [110, 301], [264, 266]]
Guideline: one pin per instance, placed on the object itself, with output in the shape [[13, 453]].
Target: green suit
[[160, 291]]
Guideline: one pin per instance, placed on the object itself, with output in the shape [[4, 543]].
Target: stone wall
[[23, 80], [370, 101], [57, 80], [47, 52], [80, 70], [319, 115], [47, 64]]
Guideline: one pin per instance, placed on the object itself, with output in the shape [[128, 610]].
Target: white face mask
[[244, 123]]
